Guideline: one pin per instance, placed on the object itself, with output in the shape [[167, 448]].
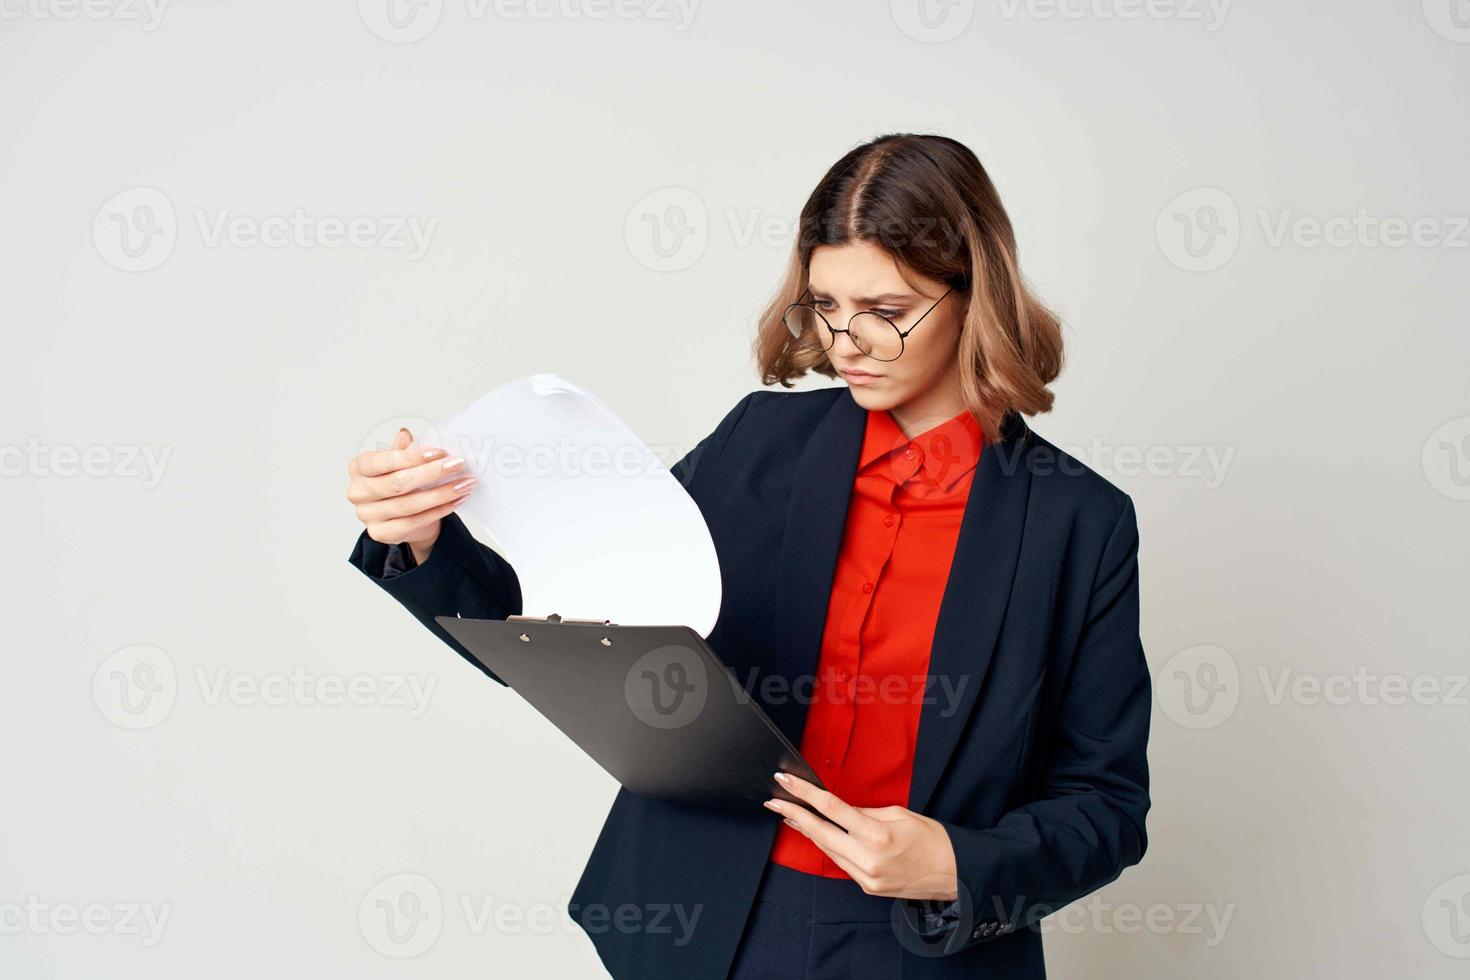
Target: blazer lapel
[[815, 515], [973, 605]]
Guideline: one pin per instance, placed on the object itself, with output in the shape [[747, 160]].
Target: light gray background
[[1289, 414]]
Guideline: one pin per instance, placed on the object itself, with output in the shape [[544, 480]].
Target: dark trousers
[[808, 927]]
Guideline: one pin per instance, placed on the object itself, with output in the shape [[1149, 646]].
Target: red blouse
[[902, 523]]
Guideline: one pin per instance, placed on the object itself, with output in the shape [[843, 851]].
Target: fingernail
[[772, 805], [454, 463], [782, 778], [433, 453], [466, 483]]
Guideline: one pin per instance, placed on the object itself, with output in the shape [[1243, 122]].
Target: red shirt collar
[[950, 449]]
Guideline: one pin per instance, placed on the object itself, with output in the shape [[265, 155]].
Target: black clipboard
[[653, 705]]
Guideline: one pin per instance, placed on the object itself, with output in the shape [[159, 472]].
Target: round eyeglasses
[[870, 332]]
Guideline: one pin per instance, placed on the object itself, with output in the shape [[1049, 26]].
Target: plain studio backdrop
[[240, 240]]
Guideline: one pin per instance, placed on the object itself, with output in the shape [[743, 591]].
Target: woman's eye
[[890, 314]]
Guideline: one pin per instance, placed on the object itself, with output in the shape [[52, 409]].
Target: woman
[[933, 602]]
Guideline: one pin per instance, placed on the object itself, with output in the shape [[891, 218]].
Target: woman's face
[[921, 387]]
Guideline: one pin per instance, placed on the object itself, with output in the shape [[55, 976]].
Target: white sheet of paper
[[592, 521]]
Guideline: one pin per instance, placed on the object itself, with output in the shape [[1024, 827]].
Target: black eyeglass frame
[[902, 334]]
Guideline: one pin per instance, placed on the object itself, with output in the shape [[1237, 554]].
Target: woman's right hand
[[387, 486]]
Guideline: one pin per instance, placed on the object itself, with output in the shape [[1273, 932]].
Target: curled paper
[[590, 518]]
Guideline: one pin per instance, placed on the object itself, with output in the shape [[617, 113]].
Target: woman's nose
[[851, 350]]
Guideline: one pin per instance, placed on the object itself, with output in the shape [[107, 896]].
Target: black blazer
[[1031, 753]]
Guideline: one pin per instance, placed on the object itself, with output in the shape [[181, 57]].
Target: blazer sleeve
[[1088, 824], [464, 577]]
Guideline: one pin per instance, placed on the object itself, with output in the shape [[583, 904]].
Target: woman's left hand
[[889, 850]]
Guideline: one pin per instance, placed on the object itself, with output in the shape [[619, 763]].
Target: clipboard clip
[[556, 618]]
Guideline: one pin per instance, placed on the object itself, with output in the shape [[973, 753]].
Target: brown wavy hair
[[927, 200]]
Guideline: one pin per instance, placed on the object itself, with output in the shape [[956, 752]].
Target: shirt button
[[830, 761], [908, 454], [867, 586], [847, 675], [889, 521]]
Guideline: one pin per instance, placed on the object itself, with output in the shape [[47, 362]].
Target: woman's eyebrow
[[871, 300]]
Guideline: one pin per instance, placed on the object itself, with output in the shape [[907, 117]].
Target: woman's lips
[[860, 377]]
